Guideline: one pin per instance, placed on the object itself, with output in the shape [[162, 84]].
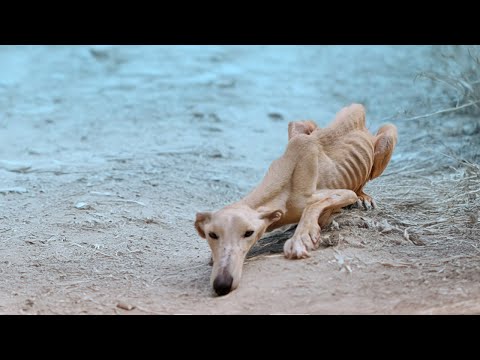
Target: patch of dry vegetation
[[457, 71]]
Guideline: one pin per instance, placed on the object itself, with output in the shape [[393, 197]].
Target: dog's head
[[231, 232]]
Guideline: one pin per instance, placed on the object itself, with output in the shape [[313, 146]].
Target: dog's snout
[[223, 284]]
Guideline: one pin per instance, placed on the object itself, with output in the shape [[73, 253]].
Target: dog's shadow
[[272, 243]]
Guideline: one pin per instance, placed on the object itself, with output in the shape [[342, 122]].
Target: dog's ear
[[200, 219], [271, 216]]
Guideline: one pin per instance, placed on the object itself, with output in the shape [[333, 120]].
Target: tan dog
[[321, 171]]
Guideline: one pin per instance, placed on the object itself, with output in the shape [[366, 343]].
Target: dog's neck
[[260, 204], [265, 203], [271, 193]]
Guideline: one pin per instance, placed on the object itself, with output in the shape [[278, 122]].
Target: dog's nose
[[223, 284]]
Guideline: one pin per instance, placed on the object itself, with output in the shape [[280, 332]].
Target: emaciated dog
[[321, 171]]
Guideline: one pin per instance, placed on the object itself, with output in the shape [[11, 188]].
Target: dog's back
[[346, 151]]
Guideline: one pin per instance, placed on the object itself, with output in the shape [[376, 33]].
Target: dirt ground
[[107, 153]]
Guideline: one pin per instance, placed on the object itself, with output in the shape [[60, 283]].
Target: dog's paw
[[299, 245], [366, 202]]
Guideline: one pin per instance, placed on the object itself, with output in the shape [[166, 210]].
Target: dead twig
[[443, 111], [95, 250], [127, 201]]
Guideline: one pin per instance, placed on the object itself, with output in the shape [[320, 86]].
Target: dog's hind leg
[[385, 142], [326, 217], [318, 213]]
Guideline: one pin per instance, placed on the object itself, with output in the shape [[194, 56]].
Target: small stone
[[335, 225], [83, 206], [275, 116], [125, 306], [331, 240]]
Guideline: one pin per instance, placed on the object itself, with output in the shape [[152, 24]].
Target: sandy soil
[[106, 154]]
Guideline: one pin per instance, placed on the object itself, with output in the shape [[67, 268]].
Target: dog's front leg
[[317, 213]]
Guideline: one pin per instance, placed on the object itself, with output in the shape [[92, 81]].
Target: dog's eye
[[248, 233], [213, 235]]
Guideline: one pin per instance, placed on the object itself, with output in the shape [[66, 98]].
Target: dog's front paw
[[298, 246]]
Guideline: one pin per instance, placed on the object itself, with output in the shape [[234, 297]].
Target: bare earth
[[107, 153]]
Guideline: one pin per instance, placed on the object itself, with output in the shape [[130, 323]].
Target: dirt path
[[106, 153]]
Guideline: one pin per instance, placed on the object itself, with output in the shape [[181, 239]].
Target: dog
[[321, 171]]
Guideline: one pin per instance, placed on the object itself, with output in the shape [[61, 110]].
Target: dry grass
[[452, 195], [437, 195], [443, 206], [457, 70]]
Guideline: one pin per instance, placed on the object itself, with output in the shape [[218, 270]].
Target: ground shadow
[[272, 243]]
